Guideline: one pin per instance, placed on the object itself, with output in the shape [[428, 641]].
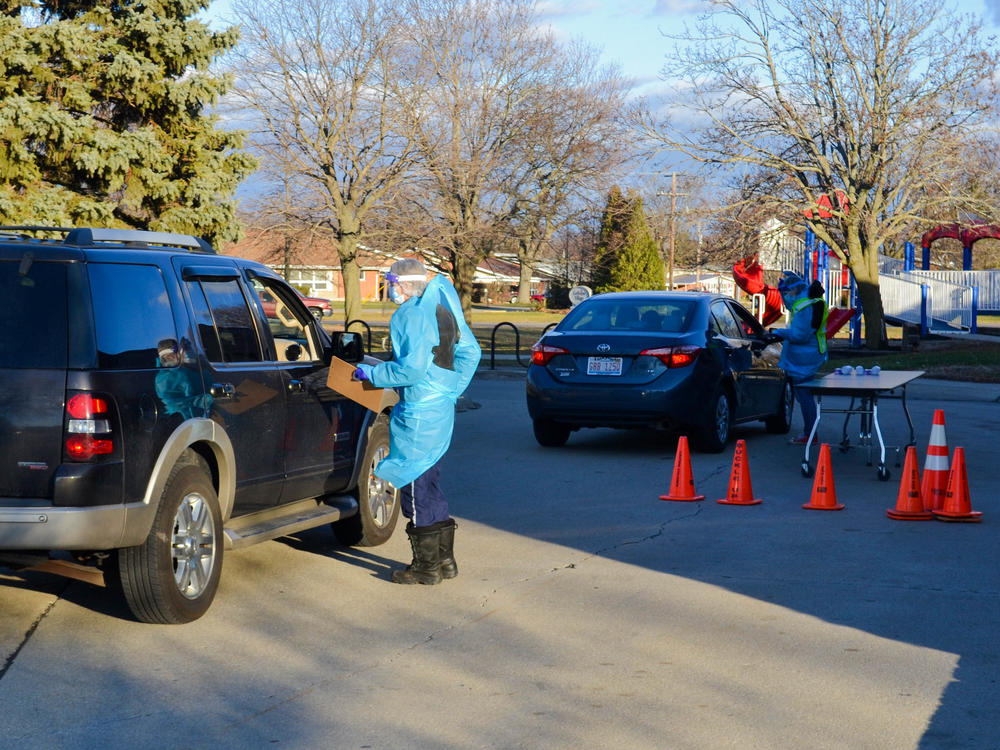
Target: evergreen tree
[[627, 258], [102, 117], [612, 239]]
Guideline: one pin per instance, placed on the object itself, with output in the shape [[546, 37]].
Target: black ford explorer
[[154, 415]]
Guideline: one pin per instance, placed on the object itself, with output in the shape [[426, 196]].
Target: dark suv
[[153, 413]]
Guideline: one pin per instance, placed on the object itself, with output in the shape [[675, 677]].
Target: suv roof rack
[[88, 237], [134, 237]]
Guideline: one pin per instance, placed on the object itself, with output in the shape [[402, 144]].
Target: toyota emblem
[[604, 347]]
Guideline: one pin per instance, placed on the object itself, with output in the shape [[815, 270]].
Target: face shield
[[395, 291], [791, 286]]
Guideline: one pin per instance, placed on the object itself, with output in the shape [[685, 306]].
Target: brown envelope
[[361, 391]]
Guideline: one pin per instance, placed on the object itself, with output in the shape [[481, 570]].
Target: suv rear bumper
[[92, 528]]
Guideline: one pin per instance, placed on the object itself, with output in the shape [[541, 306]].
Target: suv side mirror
[[348, 346]]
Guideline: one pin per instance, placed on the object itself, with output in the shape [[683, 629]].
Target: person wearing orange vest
[[803, 349]]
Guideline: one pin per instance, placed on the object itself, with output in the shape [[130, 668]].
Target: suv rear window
[[33, 325], [132, 314]]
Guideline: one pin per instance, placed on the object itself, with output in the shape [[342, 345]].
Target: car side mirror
[[771, 338], [348, 346]]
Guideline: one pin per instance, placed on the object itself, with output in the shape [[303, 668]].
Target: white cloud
[[673, 7]]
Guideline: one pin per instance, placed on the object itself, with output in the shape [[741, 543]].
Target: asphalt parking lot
[[587, 614]]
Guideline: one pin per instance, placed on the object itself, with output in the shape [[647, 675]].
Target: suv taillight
[[88, 427]]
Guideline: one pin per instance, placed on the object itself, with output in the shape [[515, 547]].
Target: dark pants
[[807, 403], [422, 500]]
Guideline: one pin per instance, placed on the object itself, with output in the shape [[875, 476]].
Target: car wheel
[[378, 501], [317, 312], [550, 434], [713, 434], [781, 422], [172, 577]]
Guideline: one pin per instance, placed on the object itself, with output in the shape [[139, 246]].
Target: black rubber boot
[[425, 567], [446, 548]]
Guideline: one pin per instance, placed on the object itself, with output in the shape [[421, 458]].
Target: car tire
[[317, 312], [781, 422], [378, 501], [550, 434], [713, 434], [172, 577]]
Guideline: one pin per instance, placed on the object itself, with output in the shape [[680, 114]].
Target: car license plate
[[604, 365]]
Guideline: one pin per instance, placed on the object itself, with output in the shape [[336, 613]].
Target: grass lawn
[[950, 358]]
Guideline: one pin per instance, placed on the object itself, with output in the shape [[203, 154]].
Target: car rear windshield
[[34, 321], [666, 316]]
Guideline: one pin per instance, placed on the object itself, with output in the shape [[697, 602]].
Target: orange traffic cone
[[935, 479], [909, 505], [824, 493], [682, 483], [740, 490], [957, 506]]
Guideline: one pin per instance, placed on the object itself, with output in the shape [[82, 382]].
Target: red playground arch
[[969, 235]]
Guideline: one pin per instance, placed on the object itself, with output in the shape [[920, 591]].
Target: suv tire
[[378, 501], [173, 576]]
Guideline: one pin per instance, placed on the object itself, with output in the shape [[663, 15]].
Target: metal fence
[[931, 303], [988, 282]]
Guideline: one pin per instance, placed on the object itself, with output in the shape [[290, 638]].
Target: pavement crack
[[9, 662], [696, 511]]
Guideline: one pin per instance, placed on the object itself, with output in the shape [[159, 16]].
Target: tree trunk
[[524, 282], [350, 271], [464, 273], [866, 276]]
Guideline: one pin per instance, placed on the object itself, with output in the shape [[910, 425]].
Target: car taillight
[[88, 427], [542, 353], [674, 356], [86, 406]]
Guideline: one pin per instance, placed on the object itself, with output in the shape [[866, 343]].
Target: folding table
[[864, 392]]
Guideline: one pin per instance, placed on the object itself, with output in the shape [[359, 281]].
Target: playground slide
[[749, 276]]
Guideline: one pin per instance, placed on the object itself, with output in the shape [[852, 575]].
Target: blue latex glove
[[360, 374]]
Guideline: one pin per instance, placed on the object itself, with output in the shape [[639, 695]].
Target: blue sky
[[630, 32]]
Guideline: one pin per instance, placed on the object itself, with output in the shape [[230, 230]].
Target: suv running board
[[287, 519]]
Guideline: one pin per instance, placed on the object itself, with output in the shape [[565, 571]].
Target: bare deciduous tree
[[322, 78], [576, 139], [872, 98], [485, 66]]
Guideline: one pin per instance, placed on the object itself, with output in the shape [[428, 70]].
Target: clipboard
[[360, 391]]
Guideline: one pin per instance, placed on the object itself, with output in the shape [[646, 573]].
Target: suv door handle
[[296, 386], [222, 390]]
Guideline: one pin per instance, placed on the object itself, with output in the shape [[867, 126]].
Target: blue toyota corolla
[[691, 360]]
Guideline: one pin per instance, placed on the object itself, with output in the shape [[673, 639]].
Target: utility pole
[[674, 195]]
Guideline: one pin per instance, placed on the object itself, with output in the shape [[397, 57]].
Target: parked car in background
[[318, 306], [697, 361]]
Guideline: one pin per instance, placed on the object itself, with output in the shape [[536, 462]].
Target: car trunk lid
[[610, 357]]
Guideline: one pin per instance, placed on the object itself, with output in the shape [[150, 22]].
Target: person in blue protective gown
[[803, 350], [434, 358]]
